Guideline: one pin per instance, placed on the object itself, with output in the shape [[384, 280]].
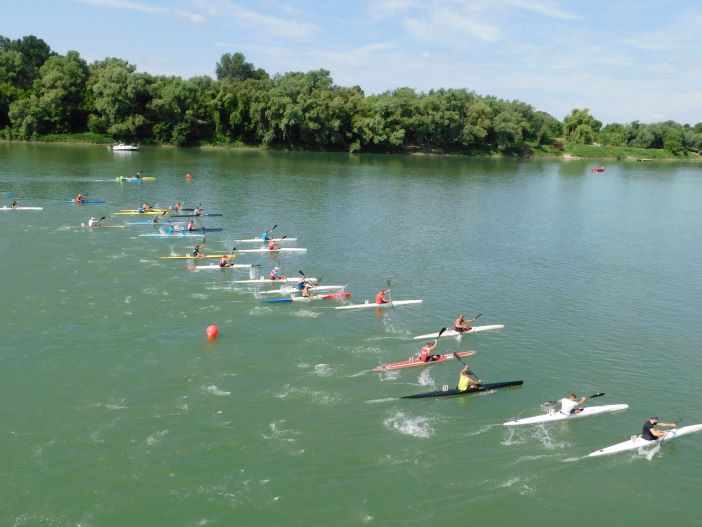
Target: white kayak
[[176, 234], [217, 266], [373, 305], [259, 240], [263, 250], [555, 415], [637, 442], [269, 281], [288, 290], [452, 333], [21, 208]]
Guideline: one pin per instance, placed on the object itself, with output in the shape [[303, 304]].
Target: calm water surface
[[117, 411]]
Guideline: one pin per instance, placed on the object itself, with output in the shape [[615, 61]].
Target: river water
[[116, 410]]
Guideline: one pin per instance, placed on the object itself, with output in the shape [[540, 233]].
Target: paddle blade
[[274, 226], [441, 332], [598, 394], [477, 316], [303, 274]]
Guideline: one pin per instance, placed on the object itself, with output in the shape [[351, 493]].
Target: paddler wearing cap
[[92, 222], [275, 274], [649, 433], [380, 297]]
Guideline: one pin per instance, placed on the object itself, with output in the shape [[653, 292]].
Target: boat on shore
[[122, 147]]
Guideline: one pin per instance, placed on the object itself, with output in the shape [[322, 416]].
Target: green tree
[[234, 67], [61, 86], [581, 127]]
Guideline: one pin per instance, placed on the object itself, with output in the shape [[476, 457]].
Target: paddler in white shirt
[[571, 404], [92, 222]]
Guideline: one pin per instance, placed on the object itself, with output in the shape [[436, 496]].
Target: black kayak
[[453, 391], [192, 215]]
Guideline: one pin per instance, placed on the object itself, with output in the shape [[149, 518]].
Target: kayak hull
[[555, 415], [329, 296], [190, 257], [453, 391], [174, 235], [269, 281], [87, 201], [194, 215], [214, 267], [288, 290], [414, 361], [135, 179], [452, 333], [369, 305], [264, 250], [259, 240], [637, 442], [21, 208]]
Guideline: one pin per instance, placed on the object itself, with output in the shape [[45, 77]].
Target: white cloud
[[144, 8], [264, 23], [543, 8], [445, 24]]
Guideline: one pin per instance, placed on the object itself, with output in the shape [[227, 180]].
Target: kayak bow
[[414, 361]]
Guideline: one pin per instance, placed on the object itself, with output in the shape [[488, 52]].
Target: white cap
[[92, 218]]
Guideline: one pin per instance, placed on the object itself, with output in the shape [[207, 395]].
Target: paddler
[[571, 404], [199, 210], [78, 198], [272, 245], [426, 351], [157, 219], [170, 229], [649, 433], [178, 206], [191, 226], [462, 324], [224, 261], [92, 222], [467, 380], [14, 204], [139, 175], [197, 252], [380, 298], [306, 292], [275, 274], [266, 236]]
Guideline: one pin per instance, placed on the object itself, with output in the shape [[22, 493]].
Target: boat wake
[[412, 426], [215, 391], [378, 401]]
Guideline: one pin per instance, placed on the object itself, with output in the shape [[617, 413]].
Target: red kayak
[[414, 361]]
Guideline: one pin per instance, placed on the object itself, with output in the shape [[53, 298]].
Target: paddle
[[554, 403], [441, 332], [274, 226]]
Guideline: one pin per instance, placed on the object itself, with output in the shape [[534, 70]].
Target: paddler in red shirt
[[380, 297], [427, 349]]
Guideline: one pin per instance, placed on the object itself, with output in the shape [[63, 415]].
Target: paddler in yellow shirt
[[467, 380]]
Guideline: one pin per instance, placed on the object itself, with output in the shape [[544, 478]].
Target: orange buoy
[[212, 332], [188, 176]]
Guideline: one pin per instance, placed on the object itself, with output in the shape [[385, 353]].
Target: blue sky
[[625, 60]]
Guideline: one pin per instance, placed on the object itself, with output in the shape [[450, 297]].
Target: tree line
[[43, 92]]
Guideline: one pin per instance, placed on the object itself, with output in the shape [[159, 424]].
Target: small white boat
[[638, 442], [554, 415], [121, 147], [21, 208], [452, 333], [373, 305], [260, 240], [264, 250]]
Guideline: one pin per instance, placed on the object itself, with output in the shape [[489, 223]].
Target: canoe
[[173, 235], [554, 415], [264, 250], [86, 201], [329, 296], [286, 290], [453, 391], [135, 179], [638, 442], [259, 240], [195, 215], [414, 361], [373, 305], [21, 208], [452, 333], [213, 267], [269, 281]]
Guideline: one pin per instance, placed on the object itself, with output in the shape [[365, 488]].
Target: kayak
[[206, 229], [329, 296], [452, 333], [414, 361], [135, 179], [555, 415], [87, 201], [371, 305], [101, 225], [263, 250], [21, 208], [453, 391], [145, 222], [173, 235], [637, 442], [135, 213], [269, 281], [217, 266], [286, 290], [191, 257], [259, 240], [194, 215], [151, 210]]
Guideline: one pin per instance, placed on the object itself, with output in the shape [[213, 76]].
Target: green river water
[[117, 411]]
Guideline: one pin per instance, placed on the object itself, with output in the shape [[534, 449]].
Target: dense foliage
[[43, 93]]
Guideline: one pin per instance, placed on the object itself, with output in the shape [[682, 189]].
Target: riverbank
[[566, 153]]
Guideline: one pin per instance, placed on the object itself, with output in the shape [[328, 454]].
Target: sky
[[625, 60]]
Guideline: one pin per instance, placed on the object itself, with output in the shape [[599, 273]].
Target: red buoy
[[212, 332]]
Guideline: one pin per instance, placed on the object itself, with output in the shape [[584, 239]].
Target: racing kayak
[[173, 235], [555, 415], [21, 208], [263, 250], [146, 222], [453, 391], [637, 442], [269, 281], [329, 296], [194, 215], [101, 225], [86, 201], [135, 213], [259, 240], [371, 305], [135, 179], [217, 266], [452, 333], [287, 290], [414, 361], [191, 257]]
